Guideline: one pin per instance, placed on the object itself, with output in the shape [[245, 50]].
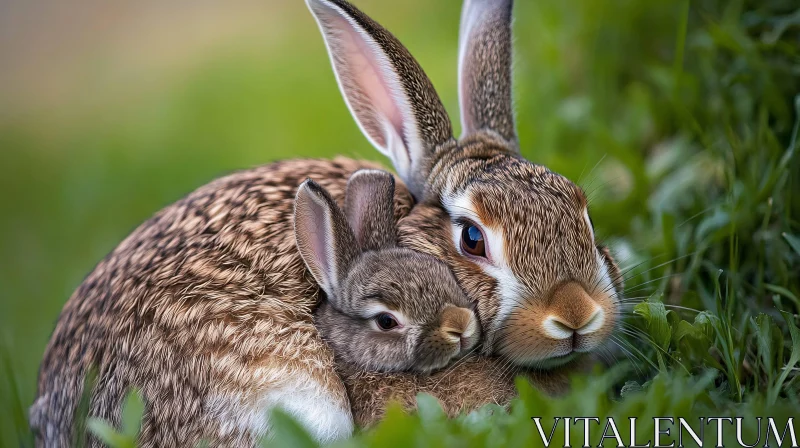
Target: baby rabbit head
[[517, 236], [385, 308]]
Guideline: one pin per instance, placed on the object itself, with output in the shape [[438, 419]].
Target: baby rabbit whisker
[[452, 368]]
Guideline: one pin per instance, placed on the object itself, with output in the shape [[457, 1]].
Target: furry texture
[[191, 310], [393, 101], [205, 305], [463, 387], [516, 286], [429, 317], [484, 68], [435, 322], [533, 221]]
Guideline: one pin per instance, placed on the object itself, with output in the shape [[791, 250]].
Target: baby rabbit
[[386, 308]]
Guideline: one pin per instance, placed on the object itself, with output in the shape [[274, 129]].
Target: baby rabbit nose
[[457, 323]]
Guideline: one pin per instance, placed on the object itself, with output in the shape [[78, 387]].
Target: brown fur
[[556, 248], [189, 303], [485, 69], [465, 386], [455, 320], [211, 295], [536, 217], [433, 316]]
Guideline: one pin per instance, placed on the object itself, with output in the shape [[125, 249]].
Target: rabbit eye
[[386, 321], [472, 241]]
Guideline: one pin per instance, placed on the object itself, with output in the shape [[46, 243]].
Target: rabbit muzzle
[[570, 322]]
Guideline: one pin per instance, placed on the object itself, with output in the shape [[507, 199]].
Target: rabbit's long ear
[[369, 205], [484, 68], [391, 98], [323, 236]]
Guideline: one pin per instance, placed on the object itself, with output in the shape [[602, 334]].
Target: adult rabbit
[[517, 235], [207, 308]]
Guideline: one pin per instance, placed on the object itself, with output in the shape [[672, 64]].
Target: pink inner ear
[[368, 82], [314, 228]]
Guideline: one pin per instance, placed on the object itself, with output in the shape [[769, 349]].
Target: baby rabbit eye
[[386, 321], [472, 241]]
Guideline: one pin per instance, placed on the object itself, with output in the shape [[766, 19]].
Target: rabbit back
[[206, 308]]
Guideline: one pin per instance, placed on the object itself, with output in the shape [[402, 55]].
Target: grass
[[680, 119]]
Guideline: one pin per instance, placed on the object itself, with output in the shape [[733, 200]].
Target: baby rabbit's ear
[[484, 68], [323, 236], [369, 205], [391, 98]]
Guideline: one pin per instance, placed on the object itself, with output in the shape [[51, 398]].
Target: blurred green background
[[110, 111]]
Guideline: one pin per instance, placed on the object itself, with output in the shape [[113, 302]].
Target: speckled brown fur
[[211, 296], [463, 387], [549, 294], [192, 302]]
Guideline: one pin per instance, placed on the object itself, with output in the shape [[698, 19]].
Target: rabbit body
[[463, 387], [207, 310]]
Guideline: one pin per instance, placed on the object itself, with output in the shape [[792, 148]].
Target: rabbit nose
[[574, 311], [558, 328], [457, 323]]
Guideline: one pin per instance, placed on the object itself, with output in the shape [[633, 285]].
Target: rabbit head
[[517, 236], [386, 308]]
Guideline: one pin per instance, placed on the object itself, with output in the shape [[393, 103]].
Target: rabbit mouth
[[461, 349], [466, 346], [556, 361]]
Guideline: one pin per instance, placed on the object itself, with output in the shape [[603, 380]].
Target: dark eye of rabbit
[[386, 321], [472, 240]]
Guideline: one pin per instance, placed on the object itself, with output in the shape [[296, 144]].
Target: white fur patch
[[509, 288], [595, 323], [603, 278], [588, 221], [375, 308], [325, 417], [472, 327], [555, 329]]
